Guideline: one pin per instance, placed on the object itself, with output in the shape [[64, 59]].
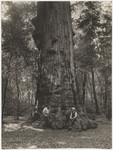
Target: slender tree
[[83, 87]]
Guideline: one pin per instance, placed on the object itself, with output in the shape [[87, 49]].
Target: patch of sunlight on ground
[[11, 127], [33, 147], [20, 148], [30, 127], [84, 137], [61, 143], [30, 147]]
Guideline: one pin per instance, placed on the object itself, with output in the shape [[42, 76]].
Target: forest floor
[[18, 136]]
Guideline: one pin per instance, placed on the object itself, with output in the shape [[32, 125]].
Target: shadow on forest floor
[[16, 135]]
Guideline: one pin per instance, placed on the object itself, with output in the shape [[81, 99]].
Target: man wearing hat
[[72, 119]]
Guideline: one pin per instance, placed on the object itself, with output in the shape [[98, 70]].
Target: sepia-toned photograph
[[56, 74]]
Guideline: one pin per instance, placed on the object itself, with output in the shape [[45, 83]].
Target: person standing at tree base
[[72, 119], [46, 112]]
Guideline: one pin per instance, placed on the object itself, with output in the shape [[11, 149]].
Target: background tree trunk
[[94, 93], [83, 87], [18, 90], [53, 37], [5, 85], [107, 99], [4, 94]]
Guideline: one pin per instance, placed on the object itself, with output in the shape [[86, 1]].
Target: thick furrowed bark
[[53, 37]]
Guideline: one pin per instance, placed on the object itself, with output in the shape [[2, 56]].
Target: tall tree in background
[[105, 53], [93, 49], [88, 22], [53, 37], [15, 46]]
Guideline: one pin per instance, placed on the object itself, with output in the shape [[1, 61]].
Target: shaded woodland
[[56, 53]]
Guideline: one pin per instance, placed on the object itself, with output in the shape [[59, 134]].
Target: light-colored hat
[[73, 108]]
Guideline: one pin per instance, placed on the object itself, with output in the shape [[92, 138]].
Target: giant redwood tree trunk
[[56, 79], [53, 37]]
